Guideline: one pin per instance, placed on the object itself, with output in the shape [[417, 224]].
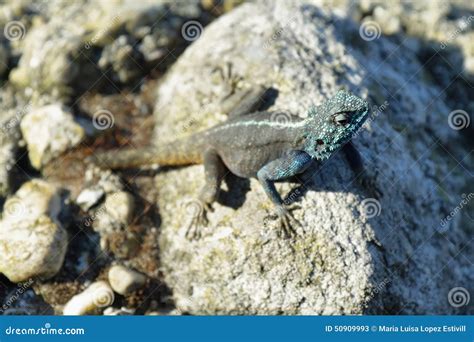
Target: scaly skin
[[257, 145]]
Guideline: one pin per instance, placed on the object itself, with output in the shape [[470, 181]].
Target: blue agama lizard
[[253, 144]]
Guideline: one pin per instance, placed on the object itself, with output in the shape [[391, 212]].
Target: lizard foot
[[287, 222], [197, 209]]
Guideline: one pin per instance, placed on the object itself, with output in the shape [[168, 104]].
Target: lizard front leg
[[291, 164], [214, 170]]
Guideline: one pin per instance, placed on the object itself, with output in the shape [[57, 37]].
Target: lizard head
[[332, 124]]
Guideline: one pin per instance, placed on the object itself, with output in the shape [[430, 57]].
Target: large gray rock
[[355, 254], [32, 241]]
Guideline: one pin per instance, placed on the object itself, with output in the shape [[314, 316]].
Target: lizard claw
[[197, 210], [287, 222]]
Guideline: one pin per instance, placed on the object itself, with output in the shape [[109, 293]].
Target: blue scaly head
[[332, 124]]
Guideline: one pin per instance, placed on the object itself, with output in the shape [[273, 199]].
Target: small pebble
[[89, 197], [97, 296], [124, 280]]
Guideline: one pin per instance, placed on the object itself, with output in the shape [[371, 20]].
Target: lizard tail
[[122, 159], [172, 154]]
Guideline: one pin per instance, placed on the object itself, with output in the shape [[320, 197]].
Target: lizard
[[252, 144]]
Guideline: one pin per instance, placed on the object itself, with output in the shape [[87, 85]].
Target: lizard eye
[[319, 145], [341, 119]]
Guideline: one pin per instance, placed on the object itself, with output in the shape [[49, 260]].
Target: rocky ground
[[81, 76]]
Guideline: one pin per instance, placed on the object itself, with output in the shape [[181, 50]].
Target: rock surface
[[405, 253], [124, 280], [92, 300], [32, 241], [355, 254], [48, 132], [60, 60]]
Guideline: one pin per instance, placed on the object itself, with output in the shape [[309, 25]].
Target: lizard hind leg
[[214, 170]]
